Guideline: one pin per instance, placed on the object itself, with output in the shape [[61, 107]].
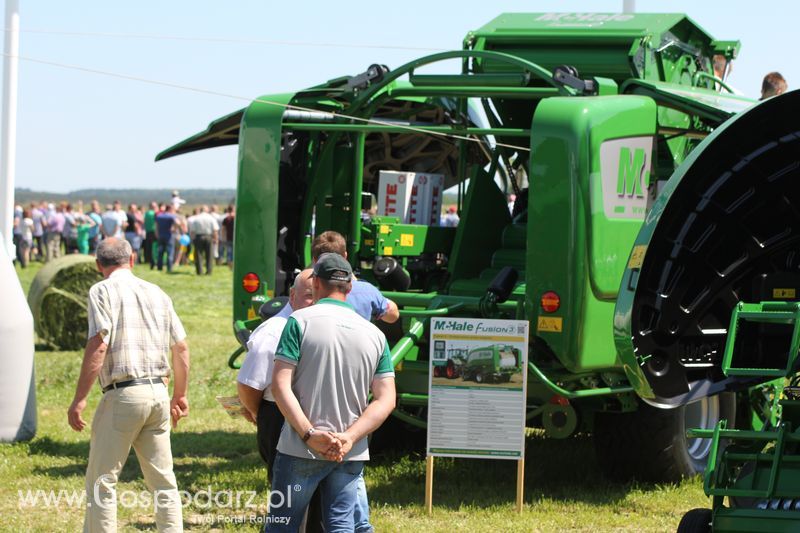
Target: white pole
[[9, 126], [629, 6]]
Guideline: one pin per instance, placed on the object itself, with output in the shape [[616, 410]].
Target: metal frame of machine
[[583, 113]]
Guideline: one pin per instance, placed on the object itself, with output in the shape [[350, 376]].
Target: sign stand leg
[[429, 484], [520, 483]]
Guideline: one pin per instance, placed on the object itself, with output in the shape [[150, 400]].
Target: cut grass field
[[564, 489]]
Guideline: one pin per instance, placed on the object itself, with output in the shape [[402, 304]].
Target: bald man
[[255, 376]]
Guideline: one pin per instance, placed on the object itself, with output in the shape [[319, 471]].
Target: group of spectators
[[306, 384], [206, 235], [45, 231]]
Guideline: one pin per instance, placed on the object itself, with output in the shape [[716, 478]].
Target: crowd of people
[[159, 234]]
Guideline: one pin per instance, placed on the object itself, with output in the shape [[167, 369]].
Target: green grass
[[563, 486]]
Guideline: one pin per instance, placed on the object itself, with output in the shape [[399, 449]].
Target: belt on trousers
[[132, 382]]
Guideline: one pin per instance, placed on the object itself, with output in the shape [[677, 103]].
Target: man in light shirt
[[132, 329], [114, 221], [204, 231]]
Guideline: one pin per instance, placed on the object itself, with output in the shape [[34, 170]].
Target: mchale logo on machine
[[625, 166]]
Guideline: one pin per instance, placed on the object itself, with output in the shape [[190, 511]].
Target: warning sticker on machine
[[637, 256], [553, 324], [784, 293]]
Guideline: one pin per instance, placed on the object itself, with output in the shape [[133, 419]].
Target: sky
[[78, 129]]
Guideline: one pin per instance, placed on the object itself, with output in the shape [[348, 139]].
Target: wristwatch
[[308, 434]]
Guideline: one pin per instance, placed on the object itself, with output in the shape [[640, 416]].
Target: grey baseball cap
[[334, 267]]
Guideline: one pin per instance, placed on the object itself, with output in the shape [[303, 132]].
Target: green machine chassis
[[512, 110]]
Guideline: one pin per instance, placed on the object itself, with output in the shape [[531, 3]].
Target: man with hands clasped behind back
[[326, 362]]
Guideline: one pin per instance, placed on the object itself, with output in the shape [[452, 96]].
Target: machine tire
[[650, 444], [696, 521], [450, 371], [479, 377]]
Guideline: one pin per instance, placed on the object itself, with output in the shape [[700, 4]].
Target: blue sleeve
[[378, 303]]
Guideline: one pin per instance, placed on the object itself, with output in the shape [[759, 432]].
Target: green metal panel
[[552, 27], [385, 236], [479, 233], [257, 203], [785, 314], [612, 45], [574, 244], [221, 132], [735, 520], [717, 107]]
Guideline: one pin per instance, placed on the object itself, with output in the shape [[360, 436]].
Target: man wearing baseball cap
[[326, 363]]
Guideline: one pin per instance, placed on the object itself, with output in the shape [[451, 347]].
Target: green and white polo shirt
[[337, 354]]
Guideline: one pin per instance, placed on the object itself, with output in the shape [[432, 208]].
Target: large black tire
[[650, 444], [696, 521]]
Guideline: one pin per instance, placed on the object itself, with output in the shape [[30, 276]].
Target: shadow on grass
[[564, 470], [561, 470], [218, 452], [180, 273], [55, 448]]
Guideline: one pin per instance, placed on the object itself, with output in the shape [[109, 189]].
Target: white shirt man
[[255, 375]]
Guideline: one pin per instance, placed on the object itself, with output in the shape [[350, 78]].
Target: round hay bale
[[58, 300]]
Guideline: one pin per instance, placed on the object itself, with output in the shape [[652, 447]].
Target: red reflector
[[558, 400], [550, 302], [250, 282]]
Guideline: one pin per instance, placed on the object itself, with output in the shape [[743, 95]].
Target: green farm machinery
[[495, 363], [650, 201], [757, 471]]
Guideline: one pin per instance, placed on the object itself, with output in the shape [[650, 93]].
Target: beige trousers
[[135, 416]]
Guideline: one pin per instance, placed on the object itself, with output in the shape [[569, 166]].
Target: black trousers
[[202, 246], [269, 423], [149, 241]]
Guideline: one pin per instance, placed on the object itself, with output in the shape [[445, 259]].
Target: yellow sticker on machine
[[251, 313], [637, 256], [384, 228], [552, 324], [784, 293], [406, 239], [388, 250]]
